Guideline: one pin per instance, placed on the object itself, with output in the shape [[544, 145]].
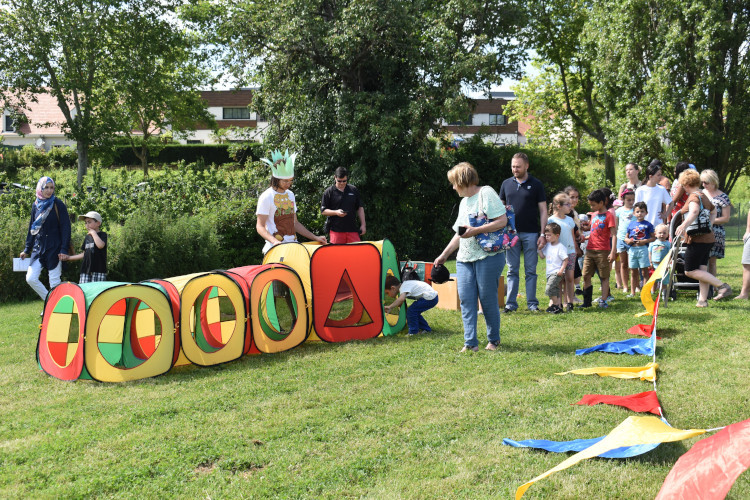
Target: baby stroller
[[677, 278]]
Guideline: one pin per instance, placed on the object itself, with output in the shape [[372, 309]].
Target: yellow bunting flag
[[659, 272], [633, 431], [647, 372]]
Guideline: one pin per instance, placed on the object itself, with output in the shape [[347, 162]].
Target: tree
[[363, 84], [71, 50], [677, 81], [158, 89], [565, 95]]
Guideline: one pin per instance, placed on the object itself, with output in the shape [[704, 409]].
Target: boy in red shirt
[[601, 249]]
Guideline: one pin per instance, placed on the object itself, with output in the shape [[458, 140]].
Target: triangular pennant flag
[[711, 467], [658, 274], [629, 346], [580, 445], [642, 330], [647, 330], [647, 372], [633, 431], [643, 402]]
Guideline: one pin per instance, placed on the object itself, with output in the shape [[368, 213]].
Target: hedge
[[218, 154]]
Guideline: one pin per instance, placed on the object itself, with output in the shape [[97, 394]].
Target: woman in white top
[[633, 182], [478, 271]]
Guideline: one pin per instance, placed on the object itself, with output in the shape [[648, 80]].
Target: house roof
[[229, 98], [45, 110]]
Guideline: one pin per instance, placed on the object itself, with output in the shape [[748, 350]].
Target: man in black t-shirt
[[526, 195], [342, 205]]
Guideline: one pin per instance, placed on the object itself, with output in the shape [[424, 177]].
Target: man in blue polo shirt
[[526, 195]]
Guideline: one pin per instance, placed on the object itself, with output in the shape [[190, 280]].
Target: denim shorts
[[638, 257], [621, 246]]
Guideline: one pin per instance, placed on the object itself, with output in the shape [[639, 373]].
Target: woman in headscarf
[[48, 237]]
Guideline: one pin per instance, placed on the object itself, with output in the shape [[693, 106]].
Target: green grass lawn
[[391, 417]]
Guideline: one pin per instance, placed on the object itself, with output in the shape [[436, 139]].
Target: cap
[[440, 274], [91, 215]]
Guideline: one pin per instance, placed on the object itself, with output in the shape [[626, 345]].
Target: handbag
[[702, 223], [489, 242]]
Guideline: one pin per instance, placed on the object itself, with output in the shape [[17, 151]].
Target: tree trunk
[[83, 161], [609, 168], [144, 159]]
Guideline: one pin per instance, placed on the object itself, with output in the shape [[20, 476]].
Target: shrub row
[[11, 160], [218, 154]]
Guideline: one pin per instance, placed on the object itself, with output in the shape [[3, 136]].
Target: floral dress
[[720, 233]]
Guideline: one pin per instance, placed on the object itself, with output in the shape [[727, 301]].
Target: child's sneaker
[[557, 310], [569, 307], [629, 296], [551, 309], [610, 299], [579, 291], [602, 303]]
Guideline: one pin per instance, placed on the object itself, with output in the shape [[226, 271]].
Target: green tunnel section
[[390, 263]]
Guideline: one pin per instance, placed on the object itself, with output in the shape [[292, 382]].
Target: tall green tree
[[158, 89], [677, 81], [363, 84], [87, 53], [563, 100], [59, 48]]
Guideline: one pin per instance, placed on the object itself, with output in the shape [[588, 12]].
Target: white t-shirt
[[654, 198], [416, 289], [554, 255], [567, 226], [271, 201]]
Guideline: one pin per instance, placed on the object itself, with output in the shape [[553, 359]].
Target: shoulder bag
[[489, 242], [702, 223]]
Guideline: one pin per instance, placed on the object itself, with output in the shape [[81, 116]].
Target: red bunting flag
[[711, 466], [643, 402]]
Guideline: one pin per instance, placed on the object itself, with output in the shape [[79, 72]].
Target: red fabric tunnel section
[[346, 292], [60, 348]]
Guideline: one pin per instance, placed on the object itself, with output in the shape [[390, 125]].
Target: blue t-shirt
[[642, 230], [658, 250]]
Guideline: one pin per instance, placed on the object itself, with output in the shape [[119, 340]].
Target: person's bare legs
[[745, 292], [705, 278]]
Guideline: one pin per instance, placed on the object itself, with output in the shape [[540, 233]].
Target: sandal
[[701, 303], [472, 349], [491, 346], [723, 291]]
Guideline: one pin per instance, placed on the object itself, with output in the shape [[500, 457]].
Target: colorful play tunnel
[[117, 332]]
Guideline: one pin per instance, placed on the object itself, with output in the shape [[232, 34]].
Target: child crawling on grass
[[425, 297]]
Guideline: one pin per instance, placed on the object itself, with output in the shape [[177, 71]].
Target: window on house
[[8, 124], [497, 120], [194, 141], [463, 123], [236, 114]]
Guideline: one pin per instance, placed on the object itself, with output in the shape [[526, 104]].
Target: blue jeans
[[527, 243], [479, 280], [414, 315]]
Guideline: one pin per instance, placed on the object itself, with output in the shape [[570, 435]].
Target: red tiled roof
[[45, 110]]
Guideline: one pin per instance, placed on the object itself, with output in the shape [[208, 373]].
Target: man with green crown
[[277, 209]]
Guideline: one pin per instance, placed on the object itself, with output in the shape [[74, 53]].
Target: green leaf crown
[[282, 164]]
